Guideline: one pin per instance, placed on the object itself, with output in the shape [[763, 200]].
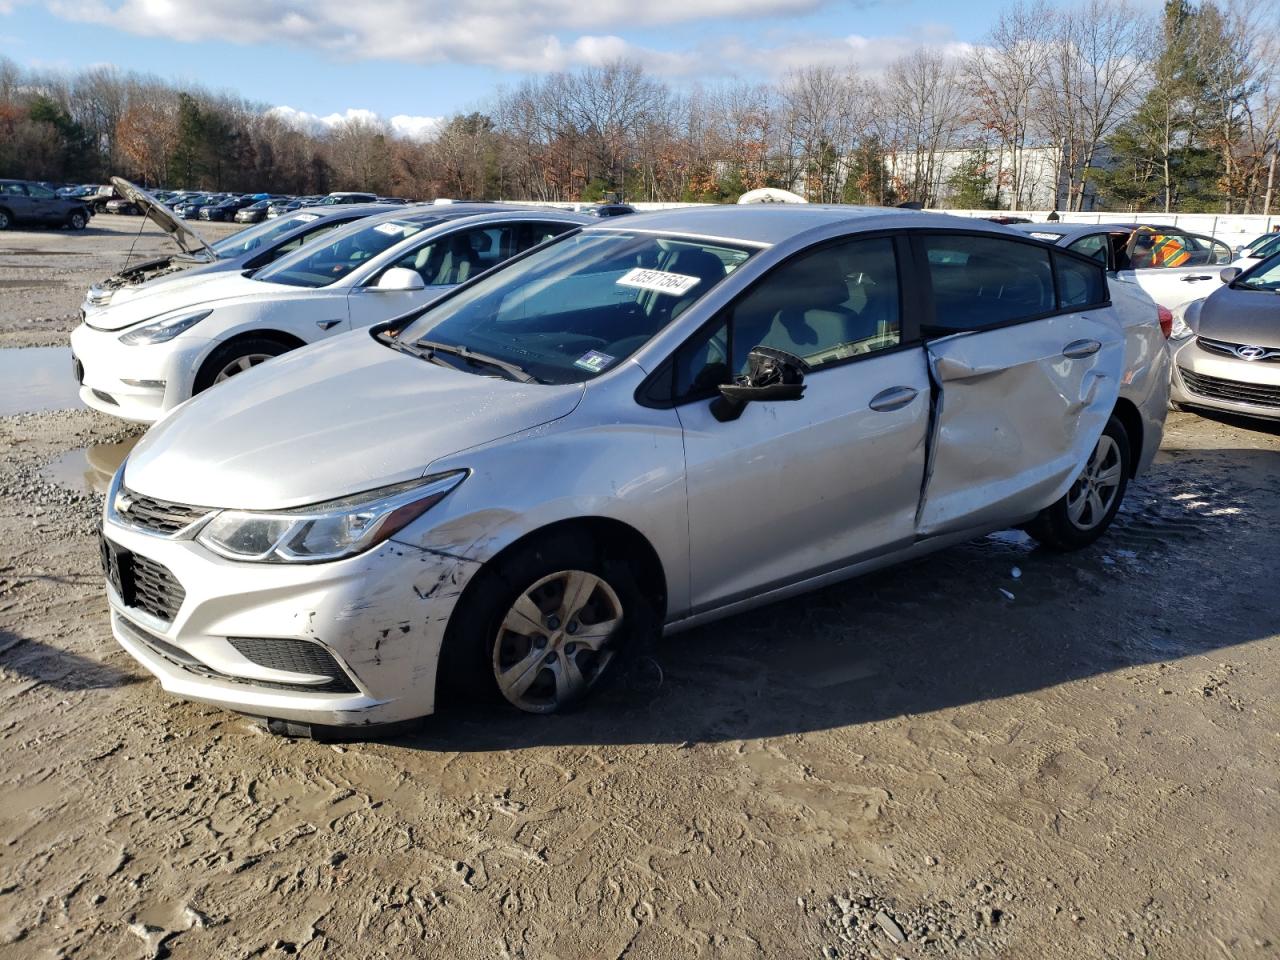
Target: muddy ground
[[994, 752]]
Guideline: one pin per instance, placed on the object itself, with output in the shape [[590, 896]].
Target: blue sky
[[427, 58]]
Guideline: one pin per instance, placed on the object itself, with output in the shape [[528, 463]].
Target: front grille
[[180, 658], [155, 590], [156, 515], [295, 656], [1232, 391], [1226, 348]]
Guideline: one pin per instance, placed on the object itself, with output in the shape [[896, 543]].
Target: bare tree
[[1005, 74]]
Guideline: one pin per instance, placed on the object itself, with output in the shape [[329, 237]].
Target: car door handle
[[1079, 349], [1190, 279], [895, 398], [327, 324]]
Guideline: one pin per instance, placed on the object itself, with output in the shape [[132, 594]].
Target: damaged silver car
[[640, 426]]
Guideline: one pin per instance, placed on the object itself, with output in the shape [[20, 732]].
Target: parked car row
[[463, 450]]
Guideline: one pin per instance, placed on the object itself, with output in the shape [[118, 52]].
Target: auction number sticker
[[308, 217], [392, 229], [660, 281], [594, 360]]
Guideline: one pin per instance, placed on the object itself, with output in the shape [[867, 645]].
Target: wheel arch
[[1131, 419], [613, 537]]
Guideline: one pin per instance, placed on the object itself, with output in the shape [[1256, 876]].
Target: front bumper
[[142, 383], [1214, 381], [364, 612]]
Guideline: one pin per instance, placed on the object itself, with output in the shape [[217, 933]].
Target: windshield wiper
[[413, 350], [512, 370]]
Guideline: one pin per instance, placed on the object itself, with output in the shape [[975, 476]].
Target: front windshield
[[580, 306], [1265, 276], [320, 264], [1266, 246], [256, 236]]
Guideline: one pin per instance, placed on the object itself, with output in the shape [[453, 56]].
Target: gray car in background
[[249, 249], [643, 425], [1226, 347]]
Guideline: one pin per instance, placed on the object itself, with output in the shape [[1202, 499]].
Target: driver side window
[[831, 304]]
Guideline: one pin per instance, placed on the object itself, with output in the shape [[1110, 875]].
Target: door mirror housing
[[400, 278], [1229, 274], [771, 375]]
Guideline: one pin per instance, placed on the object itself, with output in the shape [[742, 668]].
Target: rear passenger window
[[1079, 284], [982, 282]]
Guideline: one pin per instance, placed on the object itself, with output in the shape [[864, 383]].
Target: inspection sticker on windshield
[[594, 361], [659, 280]]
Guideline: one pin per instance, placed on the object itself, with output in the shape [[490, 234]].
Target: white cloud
[[522, 35], [401, 125]]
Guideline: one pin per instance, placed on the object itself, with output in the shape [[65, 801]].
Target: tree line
[[1179, 112]]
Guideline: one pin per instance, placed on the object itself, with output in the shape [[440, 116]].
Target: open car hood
[[188, 241]]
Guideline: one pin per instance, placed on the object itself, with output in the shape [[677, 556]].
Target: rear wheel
[[541, 627], [234, 358], [1086, 510]]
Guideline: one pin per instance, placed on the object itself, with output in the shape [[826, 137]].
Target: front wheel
[[541, 627], [77, 221], [6, 221], [232, 359], [1086, 510]]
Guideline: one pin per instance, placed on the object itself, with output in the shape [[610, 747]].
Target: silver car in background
[[641, 426], [1226, 347]]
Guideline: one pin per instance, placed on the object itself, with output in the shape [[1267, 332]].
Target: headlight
[[164, 330], [325, 531], [1181, 329]]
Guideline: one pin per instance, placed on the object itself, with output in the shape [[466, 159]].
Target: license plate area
[[117, 567]]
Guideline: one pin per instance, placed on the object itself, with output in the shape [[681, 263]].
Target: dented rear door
[[1018, 407]]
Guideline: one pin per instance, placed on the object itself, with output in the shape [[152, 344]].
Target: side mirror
[[771, 375], [400, 278], [1228, 274]]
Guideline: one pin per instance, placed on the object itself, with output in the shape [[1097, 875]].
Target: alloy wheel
[[554, 642], [240, 365], [1094, 491]]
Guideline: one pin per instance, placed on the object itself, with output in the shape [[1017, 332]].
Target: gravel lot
[[993, 752]]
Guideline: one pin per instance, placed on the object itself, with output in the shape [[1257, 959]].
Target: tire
[[6, 220], [552, 665], [77, 220], [1083, 514], [241, 354]]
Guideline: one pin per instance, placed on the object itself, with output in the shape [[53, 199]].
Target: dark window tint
[[535, 233], [835, 303], [981, 282], [1079, 284]]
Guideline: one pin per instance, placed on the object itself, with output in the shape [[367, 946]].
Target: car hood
[[188, 241], [327, 421], [1241, 316], [202, 291]]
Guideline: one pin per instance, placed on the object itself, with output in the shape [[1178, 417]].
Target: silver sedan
[[638, 427], [1226, 347]]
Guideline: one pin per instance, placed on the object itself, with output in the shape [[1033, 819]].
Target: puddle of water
[[37, 378], [92, 468]]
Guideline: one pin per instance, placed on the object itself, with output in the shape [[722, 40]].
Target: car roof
[[766, 224], [1083, 229]]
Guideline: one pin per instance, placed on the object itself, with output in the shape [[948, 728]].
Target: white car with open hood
[[141, 357], [647, 424], [197, 258]]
